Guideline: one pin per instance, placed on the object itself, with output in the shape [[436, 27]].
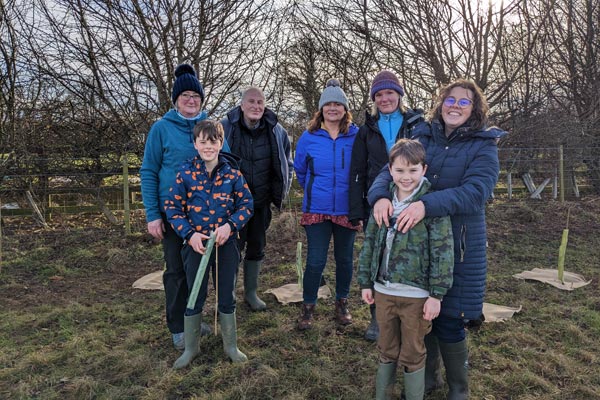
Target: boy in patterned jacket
[[210, 194], [409, 273]]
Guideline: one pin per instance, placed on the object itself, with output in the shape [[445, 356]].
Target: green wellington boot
[[414, 384], [191, 329], [251, 271], [456, 360], [433, 364], [384, 383], [229, 333]]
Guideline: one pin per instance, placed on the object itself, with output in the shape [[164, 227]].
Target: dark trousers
[[229, 259], [174, 280], [318, 237], [253, 237], [448, 330]]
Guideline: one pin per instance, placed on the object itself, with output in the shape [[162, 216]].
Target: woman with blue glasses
[[463, 167]]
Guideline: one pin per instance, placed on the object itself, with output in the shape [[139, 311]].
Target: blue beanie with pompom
[[185, 79]]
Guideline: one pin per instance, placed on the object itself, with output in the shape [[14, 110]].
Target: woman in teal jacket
[[170, 143]]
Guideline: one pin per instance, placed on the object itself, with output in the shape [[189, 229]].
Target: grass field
[[71, 326]]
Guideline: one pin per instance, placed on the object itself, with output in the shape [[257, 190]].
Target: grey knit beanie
[[333, 93], [185, 79], [386, 80]]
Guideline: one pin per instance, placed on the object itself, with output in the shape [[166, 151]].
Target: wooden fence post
[[509, 184], [0, 236], [127, 211], [555, 185], [575, 187], [561, 173]]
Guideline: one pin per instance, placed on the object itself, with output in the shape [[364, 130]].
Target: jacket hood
[[230, 158], [423, 189]]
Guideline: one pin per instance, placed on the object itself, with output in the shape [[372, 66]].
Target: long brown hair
[[479, 115], [317, 120]]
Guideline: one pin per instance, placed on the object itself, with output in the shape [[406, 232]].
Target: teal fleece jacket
[[170, 143]]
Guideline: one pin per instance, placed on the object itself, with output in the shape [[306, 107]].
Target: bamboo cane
[[299, 264], [562, 250], [216, 286], [201, 270]]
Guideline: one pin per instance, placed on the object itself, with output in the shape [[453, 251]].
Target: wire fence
[[46, 186]]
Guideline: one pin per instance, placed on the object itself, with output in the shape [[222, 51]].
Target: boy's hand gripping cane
[[201, 270]]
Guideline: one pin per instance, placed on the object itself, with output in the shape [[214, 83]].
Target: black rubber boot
[[372, 332], [456, 361], [251, 272], [433, 364]]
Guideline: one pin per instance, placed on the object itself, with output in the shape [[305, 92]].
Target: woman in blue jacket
[[322, 166], [463, 167]]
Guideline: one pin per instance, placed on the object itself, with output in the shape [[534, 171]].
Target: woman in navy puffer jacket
[[322, 166], [463, 167]]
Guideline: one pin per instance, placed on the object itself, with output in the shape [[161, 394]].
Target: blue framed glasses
[[462, 103]]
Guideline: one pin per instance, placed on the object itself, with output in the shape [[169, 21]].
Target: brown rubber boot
[[306, 318], [342, 315]]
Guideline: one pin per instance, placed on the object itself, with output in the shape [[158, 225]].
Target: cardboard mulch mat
[[572, 281], [496, 313], [152, 281], [292, 293]]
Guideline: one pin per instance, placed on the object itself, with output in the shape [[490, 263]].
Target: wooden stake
[[216, 286]]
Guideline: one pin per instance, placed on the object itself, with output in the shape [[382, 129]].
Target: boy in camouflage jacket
[[409, 273]]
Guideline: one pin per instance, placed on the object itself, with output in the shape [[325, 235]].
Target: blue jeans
[[318, 236]]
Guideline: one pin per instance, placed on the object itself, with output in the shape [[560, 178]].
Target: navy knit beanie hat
[[386, 80], [185, 79], [333, 93]]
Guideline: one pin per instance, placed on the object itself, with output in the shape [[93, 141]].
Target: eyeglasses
[[186, 96], [462, 103]]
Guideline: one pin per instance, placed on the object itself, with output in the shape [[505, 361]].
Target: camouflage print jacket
[[423, 257]]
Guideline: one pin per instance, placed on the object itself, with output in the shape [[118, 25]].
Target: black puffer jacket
[[369, 156], [265, 155]]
